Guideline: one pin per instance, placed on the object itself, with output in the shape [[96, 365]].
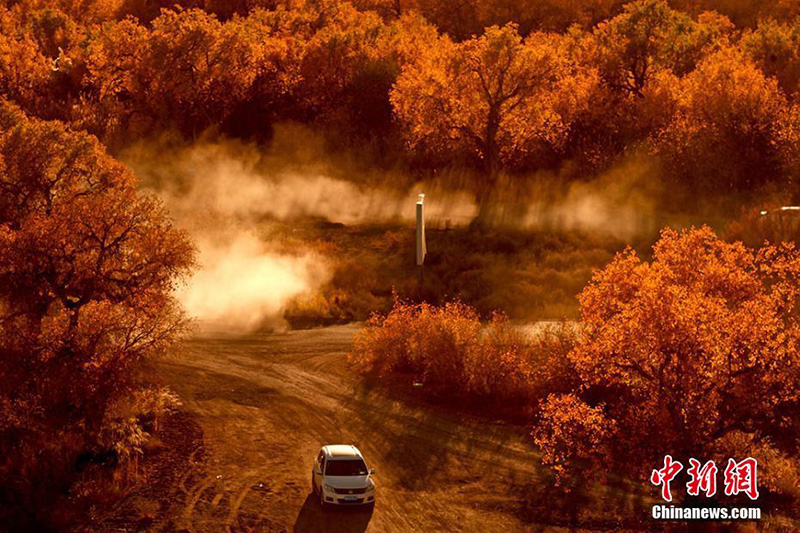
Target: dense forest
[[706, 91], [707, 87]]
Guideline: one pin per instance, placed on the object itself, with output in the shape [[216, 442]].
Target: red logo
[[742, 477], [665, 475], [703, 479], [739, 477]]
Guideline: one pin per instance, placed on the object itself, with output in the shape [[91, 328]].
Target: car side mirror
[[371, 471]]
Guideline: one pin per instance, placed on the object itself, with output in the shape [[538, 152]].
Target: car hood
[[347, 482]]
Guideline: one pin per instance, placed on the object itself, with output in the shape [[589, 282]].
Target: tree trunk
[[484, 199], [491, 170]]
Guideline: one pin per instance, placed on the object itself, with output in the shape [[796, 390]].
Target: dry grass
[[529, 275]]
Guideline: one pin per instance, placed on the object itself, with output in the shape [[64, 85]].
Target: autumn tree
[[387, 9], [189, 71], [648, 37], [24, 70], [547, 15], [726, 133], [489, 100], [639, 56], [775, 47], [198, 69], [54, 31], [86, 12], [627, 46], [343, 72], [464, 19], [114, 83], [88, 266], [743, 13], [691, 354], [408, 37], [311, 61]]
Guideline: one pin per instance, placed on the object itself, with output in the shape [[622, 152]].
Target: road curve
[[266, 402]]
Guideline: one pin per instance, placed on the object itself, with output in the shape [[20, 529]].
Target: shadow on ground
[[337, 519]]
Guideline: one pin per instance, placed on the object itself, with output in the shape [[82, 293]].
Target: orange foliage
[[24, 71], [455, 356], [649, 37], [477, 85], [775, 47], [573, 434], [692, 354], [88, 266], [490, 99], [726, 133]]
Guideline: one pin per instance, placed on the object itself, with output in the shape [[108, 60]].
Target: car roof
[[343, 451]]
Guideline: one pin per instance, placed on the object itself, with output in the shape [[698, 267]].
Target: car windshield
[[346, 467]]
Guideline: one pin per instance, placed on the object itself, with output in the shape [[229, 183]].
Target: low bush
[[454, 355]]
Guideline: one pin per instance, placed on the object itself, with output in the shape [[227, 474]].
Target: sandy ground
[[257, 409]]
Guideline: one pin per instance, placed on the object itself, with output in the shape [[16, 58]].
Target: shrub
[[428, 341], [453, 354], [128, 423], [572, 434]]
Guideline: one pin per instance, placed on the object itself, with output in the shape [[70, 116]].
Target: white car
[[341, 477]]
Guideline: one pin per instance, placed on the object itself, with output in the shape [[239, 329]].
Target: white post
[[421, 247]]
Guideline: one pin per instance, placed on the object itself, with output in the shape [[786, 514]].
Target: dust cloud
[[242, 285], [226, 192], [240, 181], [621, 202]]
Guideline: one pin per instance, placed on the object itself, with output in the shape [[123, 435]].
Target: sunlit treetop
[[692, 353]]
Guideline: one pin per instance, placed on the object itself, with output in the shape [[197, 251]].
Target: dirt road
[[263, 404]]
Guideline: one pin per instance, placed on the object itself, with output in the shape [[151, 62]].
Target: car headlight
[[328, 487], [371, 486]]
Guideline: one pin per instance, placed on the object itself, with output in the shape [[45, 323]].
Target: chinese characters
[[739, 477]]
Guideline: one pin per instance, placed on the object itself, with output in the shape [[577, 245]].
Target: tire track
[[268, 401]]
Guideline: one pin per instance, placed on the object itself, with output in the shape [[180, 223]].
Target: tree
[[24, 71], [726, 131], [547, 15], [309, 61], [744, 14], [692, 40], [342, 69], [198, 69], [115, 84], [638, 57], [692, 354], [775, 48], [489, 99], [88, 266], [85, 11], [648, 37], [387, 9], [408, 37]]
